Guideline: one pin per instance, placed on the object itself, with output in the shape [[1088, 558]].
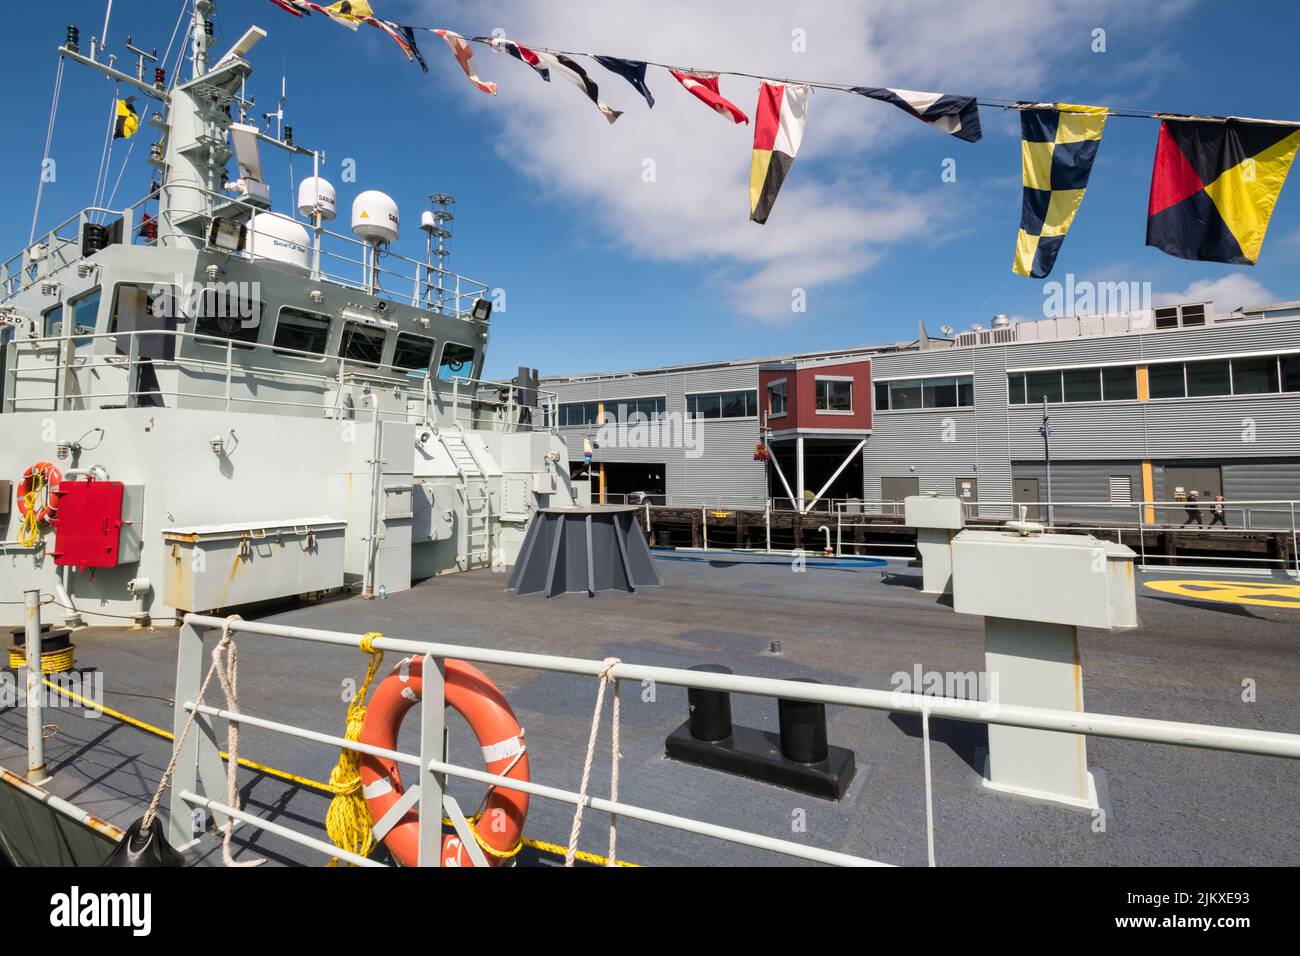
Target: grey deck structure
[[1166, 805], [1246, 445]]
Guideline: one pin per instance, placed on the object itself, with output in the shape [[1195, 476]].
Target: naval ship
[[227, 424]]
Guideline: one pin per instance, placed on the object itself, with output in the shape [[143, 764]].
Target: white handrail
[[430, 762]]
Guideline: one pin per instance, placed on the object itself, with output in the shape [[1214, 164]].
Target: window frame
[[303, 355], [414, 369], [442, 355], [751, 407], [784, 392], [830, 381]]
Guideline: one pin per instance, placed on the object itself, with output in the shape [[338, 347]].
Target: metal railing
[[69, 369], [1145, 526], [337, 258], [199, 766]]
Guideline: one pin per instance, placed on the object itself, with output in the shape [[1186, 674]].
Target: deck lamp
[[226, 234], [482, 310]]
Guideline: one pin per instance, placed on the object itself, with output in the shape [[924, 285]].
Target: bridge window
[[299, 331], [413, 352], [361, 343], [226, 312], [457, 362]]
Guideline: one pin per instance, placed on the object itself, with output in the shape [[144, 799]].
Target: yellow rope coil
[[29, 532], [348, 822], [52, 662]]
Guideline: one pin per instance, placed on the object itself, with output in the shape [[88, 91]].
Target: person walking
[[1219, 517], [1193, 509]]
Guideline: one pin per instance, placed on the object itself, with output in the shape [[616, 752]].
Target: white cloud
[[843, 206], [1227, 293]]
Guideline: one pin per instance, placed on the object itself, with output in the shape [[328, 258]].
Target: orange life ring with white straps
[[471, 693], [50, 476]]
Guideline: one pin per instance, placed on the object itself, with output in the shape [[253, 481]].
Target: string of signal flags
[[1214, 183]]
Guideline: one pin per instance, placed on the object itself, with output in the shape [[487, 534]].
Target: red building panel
[[801, 384]]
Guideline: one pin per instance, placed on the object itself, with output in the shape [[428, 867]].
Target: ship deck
[[1165, 805]]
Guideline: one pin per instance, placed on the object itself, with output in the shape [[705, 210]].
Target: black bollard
[[710, 710], [803, 728]]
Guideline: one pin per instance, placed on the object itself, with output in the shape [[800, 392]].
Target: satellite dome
[[279, 239], [375, 217], [316, 195]]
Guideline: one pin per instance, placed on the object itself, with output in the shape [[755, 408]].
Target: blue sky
[[603, 270]]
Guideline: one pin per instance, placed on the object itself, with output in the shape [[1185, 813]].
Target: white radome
[[317, 195], [279, 239], [375, 217]]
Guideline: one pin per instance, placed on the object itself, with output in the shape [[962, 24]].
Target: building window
[[457, 362], [835, 395], [776, 398], [1119, 384], [737, 404], [1209, 378], [1082, 384], [635, 410], [1042, 386], [957, 391], [1254, 376], [413, 352], [578, 414], [299, 331], [1166, 380], [1290, 373]]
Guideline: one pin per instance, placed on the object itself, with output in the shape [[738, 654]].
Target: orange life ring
[[471, 693], [50, 478]]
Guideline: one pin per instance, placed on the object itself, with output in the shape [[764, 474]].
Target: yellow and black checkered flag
[[127, 121], [1058, 144]]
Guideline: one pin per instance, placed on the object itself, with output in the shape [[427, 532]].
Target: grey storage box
[[227, 565]]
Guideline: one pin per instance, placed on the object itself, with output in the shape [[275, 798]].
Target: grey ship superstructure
[[286, 409]]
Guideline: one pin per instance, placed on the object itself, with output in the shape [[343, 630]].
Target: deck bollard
[[803, 728], [800, 759], [710, 710]]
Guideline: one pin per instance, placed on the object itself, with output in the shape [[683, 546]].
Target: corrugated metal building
[[1146, 406]]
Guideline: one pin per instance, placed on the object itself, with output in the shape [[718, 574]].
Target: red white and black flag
[[778, 131], [576, 75], [704, 86], [519, 52]]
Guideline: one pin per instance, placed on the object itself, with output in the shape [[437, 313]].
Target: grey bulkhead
[[278, 461]]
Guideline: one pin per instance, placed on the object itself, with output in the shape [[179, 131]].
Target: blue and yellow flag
[[127, 121], [1058, 144]]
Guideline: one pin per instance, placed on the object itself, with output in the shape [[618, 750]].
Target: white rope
[[49, 141], [228, 675], [605, 678], [106, 156]]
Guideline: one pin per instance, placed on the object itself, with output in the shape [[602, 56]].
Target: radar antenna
[[436, 224]]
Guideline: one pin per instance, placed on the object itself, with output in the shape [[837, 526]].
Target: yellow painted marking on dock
[[1264, 593]]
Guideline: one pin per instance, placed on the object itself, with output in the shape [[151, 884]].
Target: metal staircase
[[474, 538]]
